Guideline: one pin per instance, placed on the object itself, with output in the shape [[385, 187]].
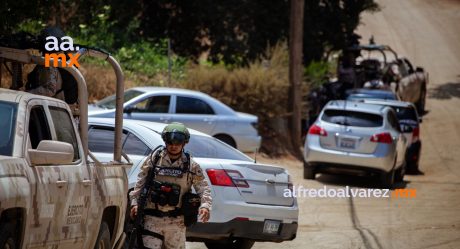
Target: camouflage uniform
[[49, 82], [172, 228]]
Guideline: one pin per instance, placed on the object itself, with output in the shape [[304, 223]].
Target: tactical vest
[[169, 185]]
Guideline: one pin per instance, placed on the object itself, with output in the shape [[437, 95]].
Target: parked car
[[196, 110], [354, 137], [248, 201], [361, 93], [407, 115]]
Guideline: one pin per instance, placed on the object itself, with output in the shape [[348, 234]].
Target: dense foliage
[[230, 31]]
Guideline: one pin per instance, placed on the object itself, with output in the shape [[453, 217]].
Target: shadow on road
[[445, 91], [355, 181], [366, 234]]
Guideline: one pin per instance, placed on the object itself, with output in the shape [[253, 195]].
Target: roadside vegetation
[[222, 49]]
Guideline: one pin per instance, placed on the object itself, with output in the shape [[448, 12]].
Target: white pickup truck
[[51, 195]]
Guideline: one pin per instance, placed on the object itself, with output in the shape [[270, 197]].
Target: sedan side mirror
[[420, 120], [129, 109]]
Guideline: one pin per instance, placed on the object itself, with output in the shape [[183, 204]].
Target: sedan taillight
[[317, 130], [226, 178], [382, 138]]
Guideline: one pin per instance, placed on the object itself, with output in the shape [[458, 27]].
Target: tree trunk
[[295, 73]]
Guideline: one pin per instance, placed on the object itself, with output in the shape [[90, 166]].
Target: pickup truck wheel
[[231, 244], [103, 238], [7, 238]]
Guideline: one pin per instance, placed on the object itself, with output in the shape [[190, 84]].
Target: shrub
[[260, 89]]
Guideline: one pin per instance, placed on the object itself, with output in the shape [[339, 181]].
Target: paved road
[[428, 33]]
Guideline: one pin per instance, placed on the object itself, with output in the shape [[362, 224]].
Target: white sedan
[[248, 197], [196, 110]]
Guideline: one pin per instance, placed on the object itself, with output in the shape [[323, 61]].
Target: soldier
[[42, 80], [164, 221]]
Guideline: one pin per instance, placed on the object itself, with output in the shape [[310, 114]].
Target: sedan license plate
[[271, 226], [347, 143]]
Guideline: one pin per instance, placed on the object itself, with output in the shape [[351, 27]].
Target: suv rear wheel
[[388, 179], [308, 171]]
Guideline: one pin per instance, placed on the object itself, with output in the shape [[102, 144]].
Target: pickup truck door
[[78, 178], [62, 192]]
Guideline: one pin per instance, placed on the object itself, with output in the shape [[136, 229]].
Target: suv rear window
[[352, 118]]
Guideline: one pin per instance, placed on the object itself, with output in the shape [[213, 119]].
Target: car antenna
[[255, 155]]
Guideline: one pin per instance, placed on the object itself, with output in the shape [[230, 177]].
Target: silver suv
[[352, 137]]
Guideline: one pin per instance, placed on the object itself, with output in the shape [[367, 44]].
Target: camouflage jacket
[[49, 82], [194, 178]]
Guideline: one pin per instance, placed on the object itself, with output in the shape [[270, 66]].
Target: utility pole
[[169, 62], [295, 73]]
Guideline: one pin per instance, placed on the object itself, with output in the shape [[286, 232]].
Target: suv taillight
[[416, 134], [226, 178], [316, 130], [382, 138]]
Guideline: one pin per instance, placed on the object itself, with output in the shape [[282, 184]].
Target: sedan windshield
[[209, 147], [109, 102], [8, 112]]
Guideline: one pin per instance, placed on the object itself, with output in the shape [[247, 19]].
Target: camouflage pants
[[173, 230]]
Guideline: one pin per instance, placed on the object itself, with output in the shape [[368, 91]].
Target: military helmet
[[49, 31], [175, 133]]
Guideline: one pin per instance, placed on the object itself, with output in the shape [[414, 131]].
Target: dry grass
[[260, 89]]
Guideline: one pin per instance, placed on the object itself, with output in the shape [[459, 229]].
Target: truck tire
[[103, 238], [7, 238]]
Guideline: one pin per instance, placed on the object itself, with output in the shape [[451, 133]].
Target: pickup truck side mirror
[[50, 152]]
